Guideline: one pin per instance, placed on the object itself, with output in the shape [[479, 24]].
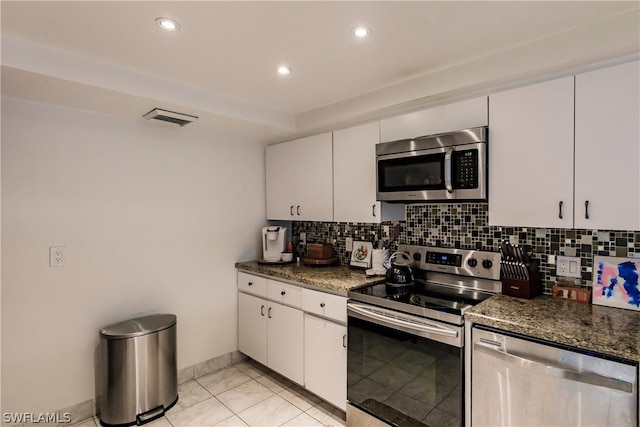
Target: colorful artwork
[[615, 282]]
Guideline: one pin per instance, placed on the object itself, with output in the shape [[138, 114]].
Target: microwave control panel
[[465, 169]]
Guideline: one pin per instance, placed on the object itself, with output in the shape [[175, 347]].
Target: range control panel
[[463, 262]]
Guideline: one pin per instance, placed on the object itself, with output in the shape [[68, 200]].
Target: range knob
[[472, 262], [487, 263], [416, 256]]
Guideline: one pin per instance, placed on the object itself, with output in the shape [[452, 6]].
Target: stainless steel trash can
[[139, 377]]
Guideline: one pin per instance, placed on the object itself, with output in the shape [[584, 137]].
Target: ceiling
[[111, 57]]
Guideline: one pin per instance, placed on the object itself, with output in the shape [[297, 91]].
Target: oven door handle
[[381, 316]]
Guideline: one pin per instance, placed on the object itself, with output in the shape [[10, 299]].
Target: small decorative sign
[[615, 282], [361, 254]]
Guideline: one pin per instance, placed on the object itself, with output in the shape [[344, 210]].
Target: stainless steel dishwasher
[[522, 382]]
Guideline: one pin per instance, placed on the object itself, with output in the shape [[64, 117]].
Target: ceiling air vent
[[170, 116]]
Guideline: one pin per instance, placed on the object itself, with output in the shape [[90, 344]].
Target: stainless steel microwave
[[444, 167]]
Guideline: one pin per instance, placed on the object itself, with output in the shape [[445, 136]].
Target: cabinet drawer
[[284, 293], [325, 305], [251, 284]]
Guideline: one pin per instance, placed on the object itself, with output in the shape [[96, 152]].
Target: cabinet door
[[608, 148], [314, 178], [325, 360], [252, 327], [531, 155], [285, 341], [446, 118], [280, 182], [354, 179]]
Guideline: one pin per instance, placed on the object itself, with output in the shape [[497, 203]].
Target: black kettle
[[398, 271]]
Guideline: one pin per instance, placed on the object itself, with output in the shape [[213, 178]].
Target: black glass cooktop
[[421, 298]]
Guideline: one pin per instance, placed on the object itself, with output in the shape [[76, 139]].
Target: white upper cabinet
[[354, 177], [299, 179], [607, 151], [565, 153], [460, 115], [531, 155]]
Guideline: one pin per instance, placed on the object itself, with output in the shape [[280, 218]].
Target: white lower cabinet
[[325, 359], [299, 333], [272, 333], [252, 327], [285, 341]]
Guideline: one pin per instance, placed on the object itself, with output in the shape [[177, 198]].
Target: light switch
[[348, 244], [573, 267]]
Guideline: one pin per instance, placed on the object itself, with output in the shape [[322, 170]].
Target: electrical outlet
[[56, 256], [568, 266], [348, 244], [303, 238]]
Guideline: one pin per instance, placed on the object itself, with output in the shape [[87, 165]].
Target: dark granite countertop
[[337, 279], [607, 330]]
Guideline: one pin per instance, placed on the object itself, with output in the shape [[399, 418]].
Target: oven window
[[404, 379], [411, 173]]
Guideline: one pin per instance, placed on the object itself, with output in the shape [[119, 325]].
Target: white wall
[[153, 219]]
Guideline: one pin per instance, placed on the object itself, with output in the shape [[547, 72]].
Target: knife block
[[524, 288]]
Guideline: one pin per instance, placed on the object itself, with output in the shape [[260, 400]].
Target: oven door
[[404, 369]]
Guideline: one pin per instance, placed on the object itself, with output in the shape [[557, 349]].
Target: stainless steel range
[[406, 343]]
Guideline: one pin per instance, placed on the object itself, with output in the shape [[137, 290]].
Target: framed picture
[[615, 282], [361, 254]]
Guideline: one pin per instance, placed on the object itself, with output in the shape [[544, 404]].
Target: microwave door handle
[[447, 170]]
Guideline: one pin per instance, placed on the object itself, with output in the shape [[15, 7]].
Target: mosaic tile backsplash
[[465, 225]]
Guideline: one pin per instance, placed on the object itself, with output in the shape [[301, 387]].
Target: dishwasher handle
[[490, 348]]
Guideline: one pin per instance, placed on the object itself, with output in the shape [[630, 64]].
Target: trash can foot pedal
[[150, 415]]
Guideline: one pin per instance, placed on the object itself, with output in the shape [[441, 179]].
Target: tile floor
[[244, 394]]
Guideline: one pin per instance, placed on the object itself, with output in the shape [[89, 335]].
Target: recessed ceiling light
[[361, 32], [168, 24], [283, 69]]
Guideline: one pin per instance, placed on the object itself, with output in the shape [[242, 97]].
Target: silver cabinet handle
[[344, 340], [560, 209], [262, 310], [373, 210], [291, 210], [586, 209], [546, 368], [298, 209], [322, 305], [269, 313], [447, 170], [282, 292]]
